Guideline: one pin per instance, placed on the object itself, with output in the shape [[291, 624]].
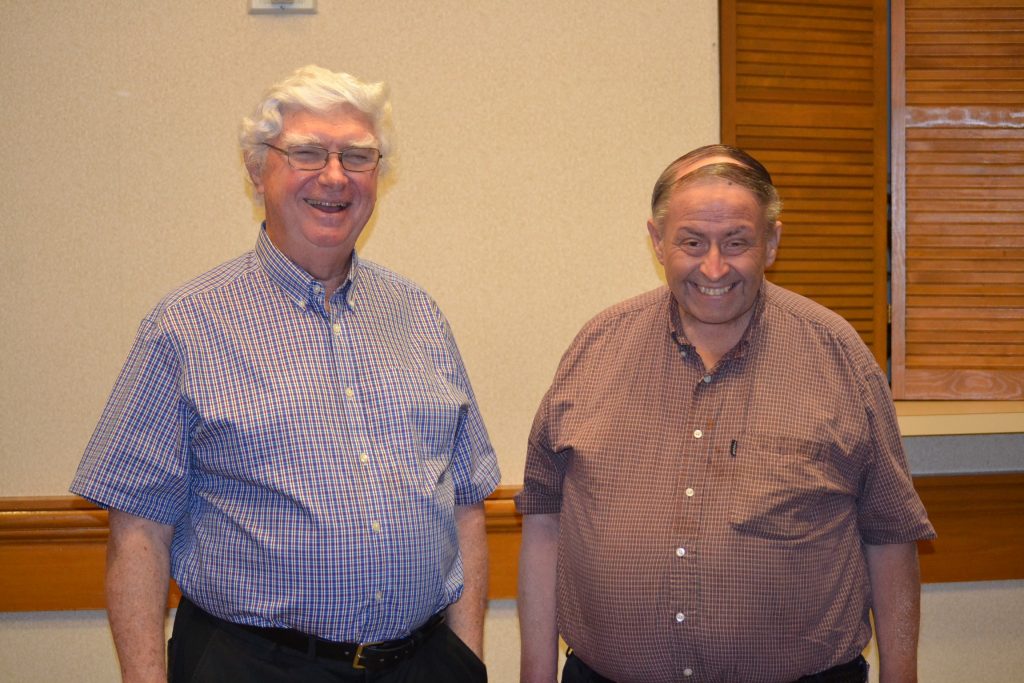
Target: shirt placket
[[358, 446], [726, 399], [698, 442]]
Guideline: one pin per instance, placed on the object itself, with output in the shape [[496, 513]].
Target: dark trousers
[[576, 671], [204, 649]]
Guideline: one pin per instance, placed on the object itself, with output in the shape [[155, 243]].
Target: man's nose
[[713, 266], [333, 173]]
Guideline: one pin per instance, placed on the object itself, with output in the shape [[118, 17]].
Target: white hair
[[317, 90]]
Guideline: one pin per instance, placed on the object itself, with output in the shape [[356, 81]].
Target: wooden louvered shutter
[[958, 199], [804, 90]]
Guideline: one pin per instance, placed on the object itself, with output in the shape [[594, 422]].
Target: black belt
[[855, 671], [382, 655]]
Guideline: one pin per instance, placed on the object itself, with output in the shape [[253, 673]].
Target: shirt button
[[680, 617], [687, 672], [706, 379], [689, 493], [680, 552], [349, 392], [378, 596], [697, 433], [364, 458], [337, 329], [375, 526]]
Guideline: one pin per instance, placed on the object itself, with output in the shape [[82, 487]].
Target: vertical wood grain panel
[[958, 199], [804, 89]]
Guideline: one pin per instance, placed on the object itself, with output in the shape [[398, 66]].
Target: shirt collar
[[301, 287]]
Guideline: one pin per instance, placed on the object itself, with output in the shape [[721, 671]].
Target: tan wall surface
[[529, 133]]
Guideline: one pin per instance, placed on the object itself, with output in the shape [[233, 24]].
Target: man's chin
[[726, 314]]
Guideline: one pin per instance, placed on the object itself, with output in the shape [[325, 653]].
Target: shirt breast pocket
[[780, 488], [433, 412]]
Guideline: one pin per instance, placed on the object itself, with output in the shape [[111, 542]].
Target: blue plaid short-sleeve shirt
[[309, 459]]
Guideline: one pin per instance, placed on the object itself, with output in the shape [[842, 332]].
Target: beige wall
[[530, 133]]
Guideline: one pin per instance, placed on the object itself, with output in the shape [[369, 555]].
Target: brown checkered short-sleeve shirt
[[711, 523]]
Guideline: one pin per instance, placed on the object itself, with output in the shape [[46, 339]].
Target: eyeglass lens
[[313, 158]]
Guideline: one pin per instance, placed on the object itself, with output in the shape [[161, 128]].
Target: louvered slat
[[958, 290], [803, 89]]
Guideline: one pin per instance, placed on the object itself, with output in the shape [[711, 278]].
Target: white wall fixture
[[282, 6]]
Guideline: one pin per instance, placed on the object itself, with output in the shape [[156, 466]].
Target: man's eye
[[306, 154], [361, 156]]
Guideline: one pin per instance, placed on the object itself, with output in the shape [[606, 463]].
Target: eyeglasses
[[314, 158]]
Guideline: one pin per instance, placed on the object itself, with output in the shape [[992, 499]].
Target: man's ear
[[772, 250], [256, 176], [655, 234]]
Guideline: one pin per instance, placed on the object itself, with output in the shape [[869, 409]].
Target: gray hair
[[316, 90], [746, 172]]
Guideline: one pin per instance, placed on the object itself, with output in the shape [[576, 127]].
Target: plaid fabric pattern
[[711, 523], [310, 460]]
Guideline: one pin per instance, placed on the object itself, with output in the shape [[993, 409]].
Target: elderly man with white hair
[[295, 441]]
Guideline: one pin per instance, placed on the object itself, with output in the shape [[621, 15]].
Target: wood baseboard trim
[[52, 549]]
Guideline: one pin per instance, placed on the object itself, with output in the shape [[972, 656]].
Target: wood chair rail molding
[[52, 549]]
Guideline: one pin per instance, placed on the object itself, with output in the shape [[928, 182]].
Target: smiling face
[[315, 217], [714, 243]]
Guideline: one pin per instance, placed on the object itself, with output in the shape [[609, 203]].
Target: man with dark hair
[[715, 485]]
